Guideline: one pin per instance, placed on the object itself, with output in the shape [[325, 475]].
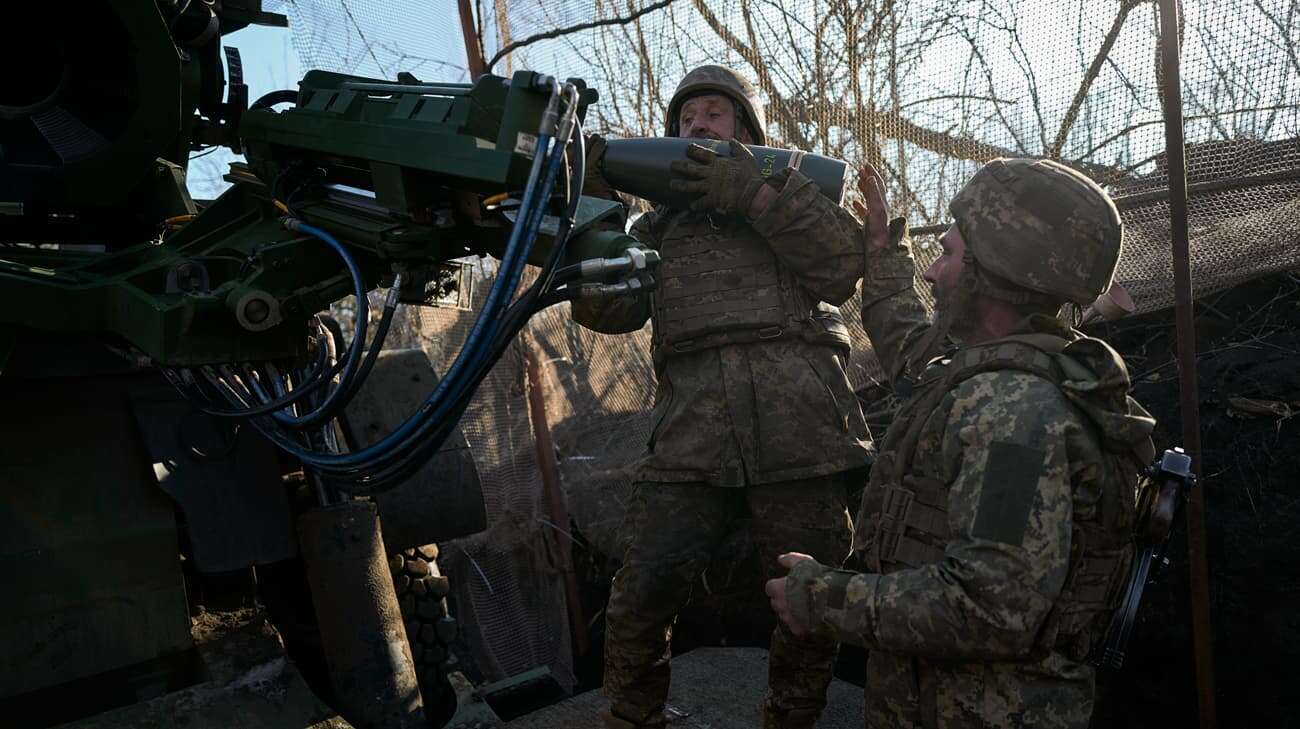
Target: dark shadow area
[[1248, 342]]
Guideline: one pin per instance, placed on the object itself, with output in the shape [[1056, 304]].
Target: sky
[[377, 38], [270, 63]]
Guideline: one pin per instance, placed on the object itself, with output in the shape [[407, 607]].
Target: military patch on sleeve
[[1007, 493]]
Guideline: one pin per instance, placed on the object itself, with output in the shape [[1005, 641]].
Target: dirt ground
[[1249, 344]]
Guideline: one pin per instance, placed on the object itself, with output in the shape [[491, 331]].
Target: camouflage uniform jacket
[[968, 631], [764, 411]]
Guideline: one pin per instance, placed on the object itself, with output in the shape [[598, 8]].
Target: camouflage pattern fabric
[[774, 415], [1010, 206], [957, 641], [768, 410], [674, 529]]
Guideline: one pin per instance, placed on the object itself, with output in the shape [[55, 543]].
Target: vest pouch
[[711, 284], [829, 371], [864, 532], [912, 526], [723, 286]]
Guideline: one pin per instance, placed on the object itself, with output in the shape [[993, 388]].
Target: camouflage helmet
[[720, 80], [1040, 225]]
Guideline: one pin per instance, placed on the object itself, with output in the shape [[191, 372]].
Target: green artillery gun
[[171, 387], [154, 349]]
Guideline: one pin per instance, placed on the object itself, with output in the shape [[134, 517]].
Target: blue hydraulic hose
[[276, 408], [507, 280], [469, 353], [536, 215], [511, 275], [325, 410], [429, 442], [428, 425], [434, 431], [475, 354], [523, 234]]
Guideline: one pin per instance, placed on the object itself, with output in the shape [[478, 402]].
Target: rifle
[[1169, 479]]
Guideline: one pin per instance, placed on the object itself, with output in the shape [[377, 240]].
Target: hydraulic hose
[[470, 354], [344, 464], [339, 395], [325, 372], [528, 304], [408, 447], [441, 425]]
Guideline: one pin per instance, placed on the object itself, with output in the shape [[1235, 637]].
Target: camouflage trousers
[[675, 528]]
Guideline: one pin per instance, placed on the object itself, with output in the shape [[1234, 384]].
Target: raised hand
[[872, 208]]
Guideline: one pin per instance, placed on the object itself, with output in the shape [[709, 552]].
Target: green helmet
[[719, 80], [1042, 226]]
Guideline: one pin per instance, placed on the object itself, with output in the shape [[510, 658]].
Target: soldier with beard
[[997, 524], [754, 416]]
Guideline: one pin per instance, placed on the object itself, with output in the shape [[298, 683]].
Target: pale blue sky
[[1055, 44], [270, 63]]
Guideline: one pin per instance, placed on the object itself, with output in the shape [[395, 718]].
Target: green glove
[[800, 593], [724, 184], [594, 183]]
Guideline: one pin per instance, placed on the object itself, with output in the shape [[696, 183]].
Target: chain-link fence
[[925, 91]]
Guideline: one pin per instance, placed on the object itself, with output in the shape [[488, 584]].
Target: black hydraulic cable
[[283, 96]]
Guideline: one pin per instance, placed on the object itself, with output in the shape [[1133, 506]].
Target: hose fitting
[[551, 116]]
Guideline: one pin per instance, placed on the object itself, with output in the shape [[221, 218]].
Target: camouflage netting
[[924, 90]]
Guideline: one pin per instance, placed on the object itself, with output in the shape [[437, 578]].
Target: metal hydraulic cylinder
[[365, 643]]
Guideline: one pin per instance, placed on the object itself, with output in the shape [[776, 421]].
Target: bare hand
[[872, 208], [775, 590]]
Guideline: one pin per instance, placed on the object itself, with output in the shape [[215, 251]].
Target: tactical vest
[[724, 285], [911, 527]]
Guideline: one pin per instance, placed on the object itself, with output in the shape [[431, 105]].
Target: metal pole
[[473, 51], [559, 512], [1187, 385]]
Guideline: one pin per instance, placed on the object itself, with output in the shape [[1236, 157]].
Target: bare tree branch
[[790, 116], [785, 115], [557, 32], [1286, 30], [987, 71], [362, 36], [1191, 117], [947, 97], [503, 32], [1093, 69]]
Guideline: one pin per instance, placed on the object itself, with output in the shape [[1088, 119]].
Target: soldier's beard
[[964, 314]]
